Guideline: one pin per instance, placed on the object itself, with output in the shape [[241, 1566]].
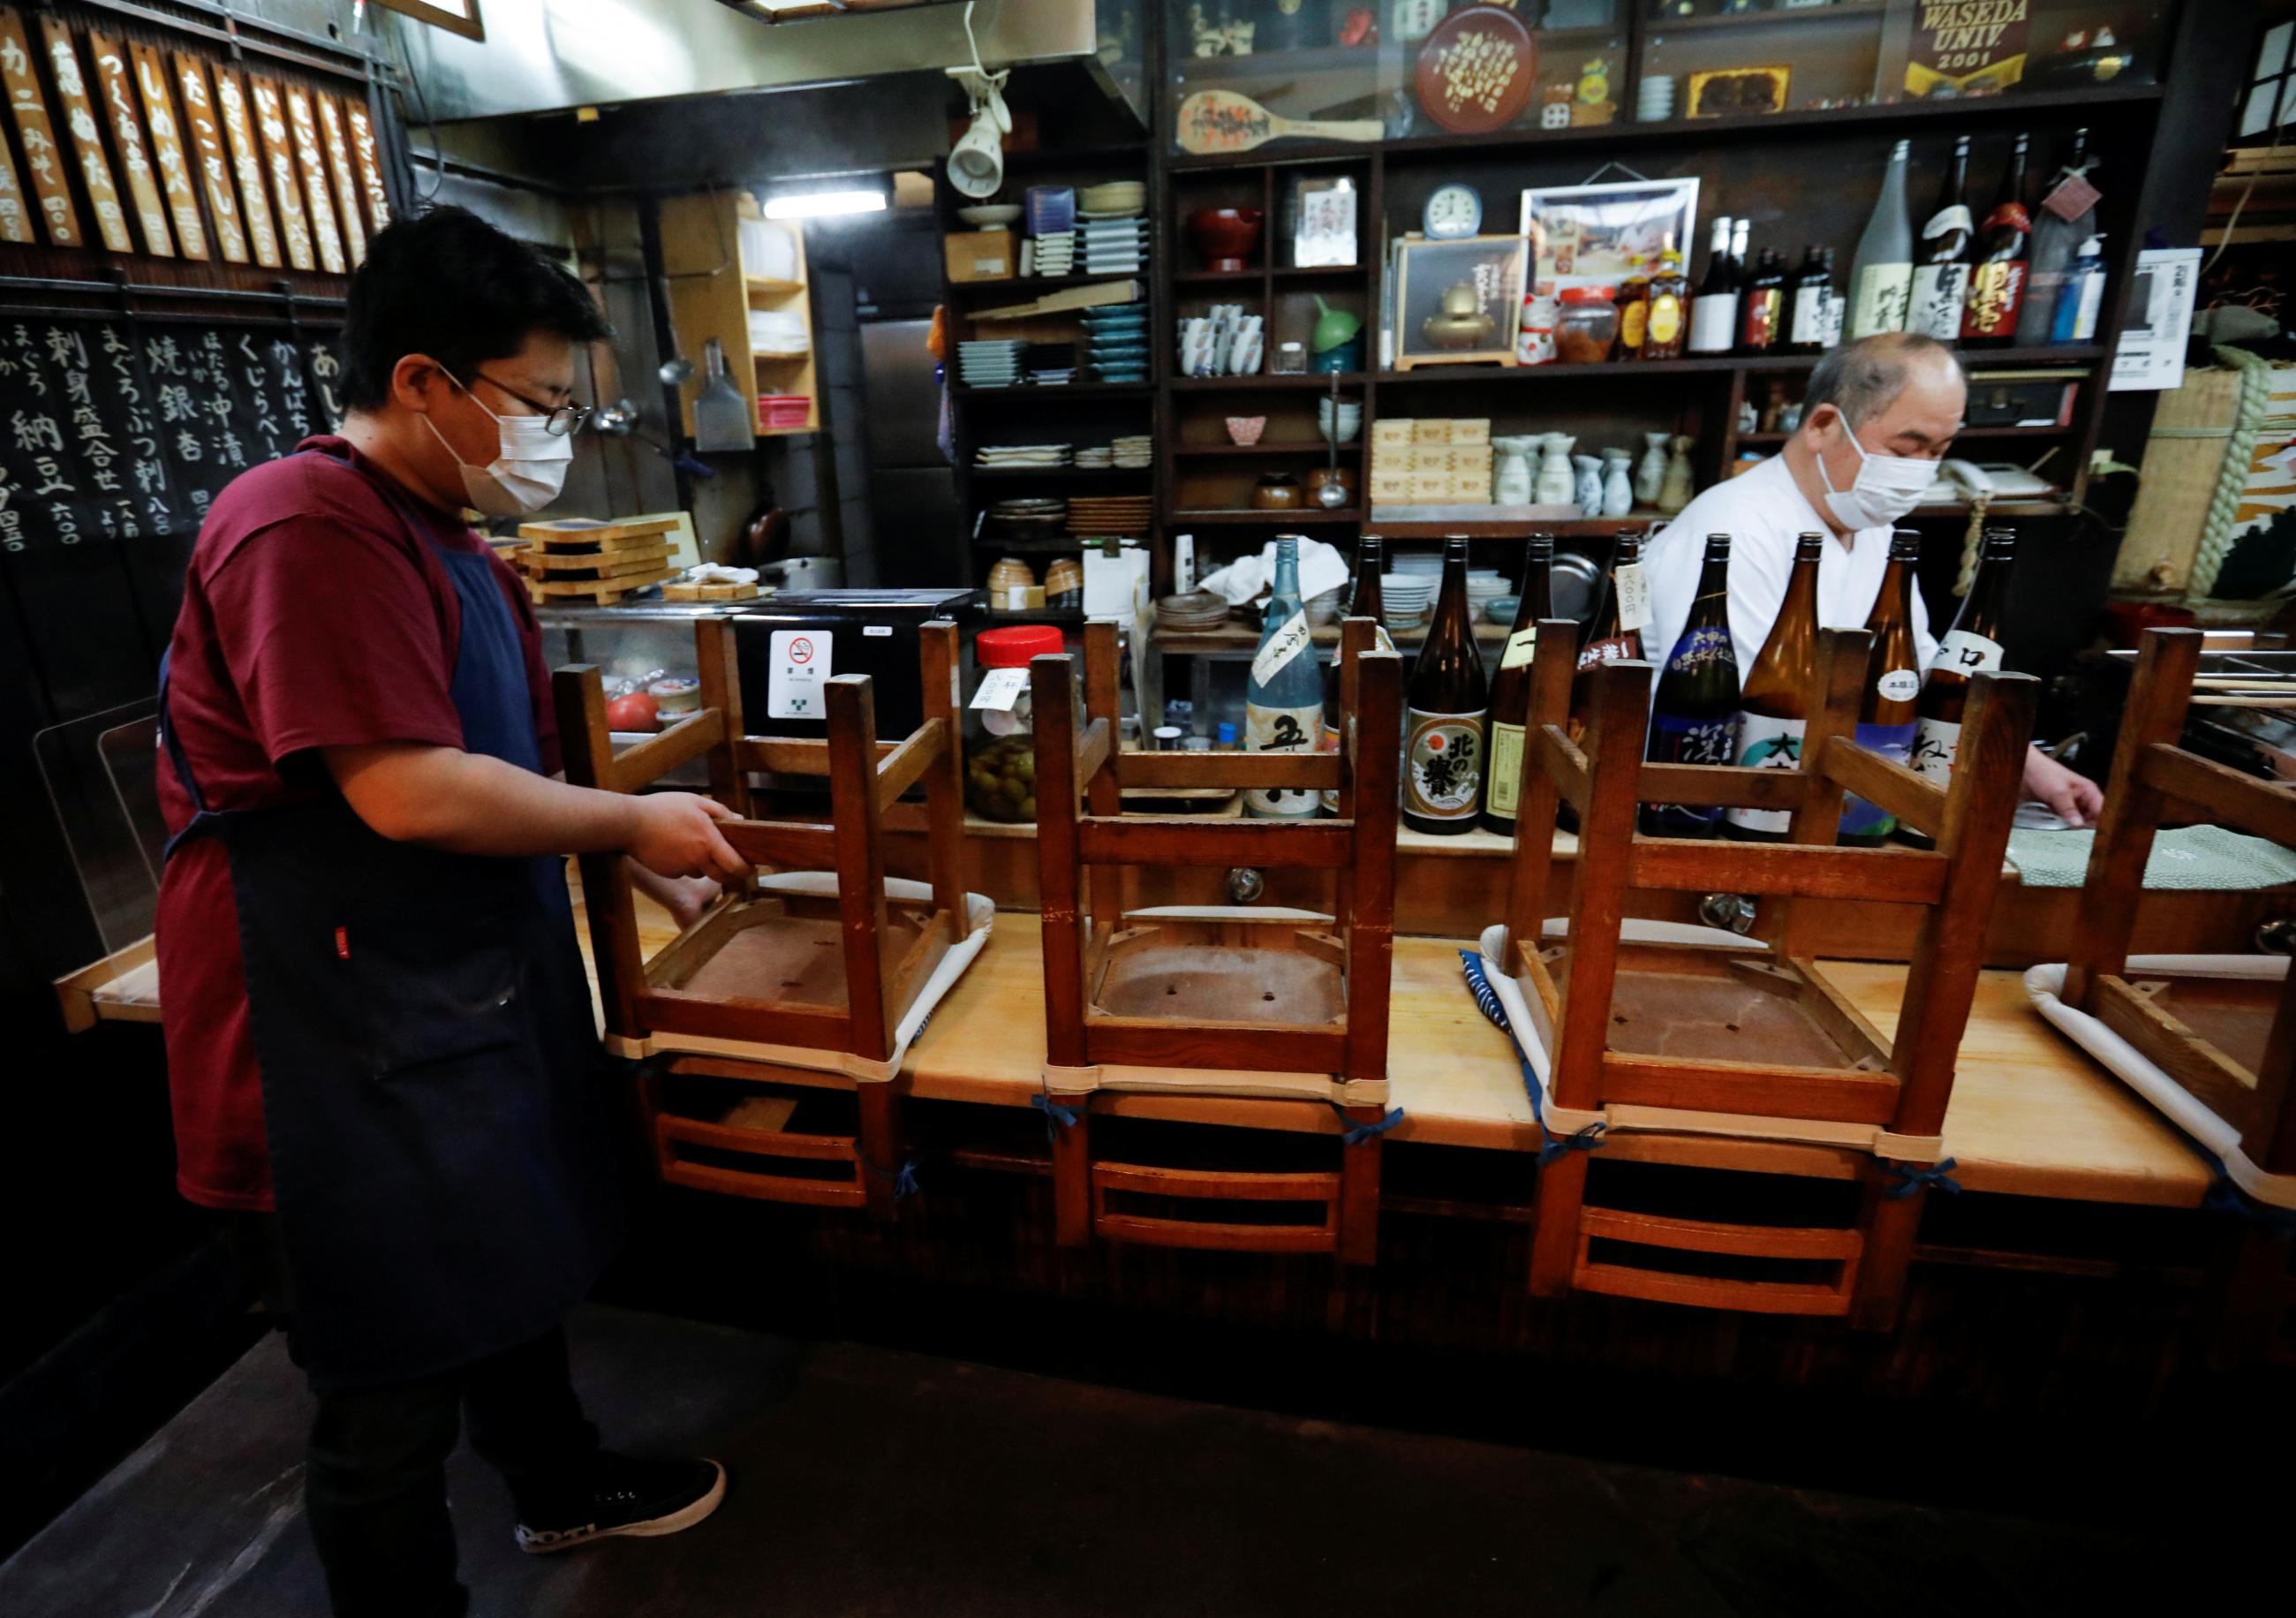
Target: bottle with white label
[[1714, 312], [1511, 688], [1971, 647], [1694, 710], [1774, 710], [1941, 278], [1881, 275], [1893, 680], [1446, 713], [2081, 299], [1283, 700]]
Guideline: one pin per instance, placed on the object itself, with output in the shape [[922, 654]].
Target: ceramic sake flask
[[1675, 493], [1650, 476], [1512, 481], [1588, 490], [1557, 484], [1617, 489]]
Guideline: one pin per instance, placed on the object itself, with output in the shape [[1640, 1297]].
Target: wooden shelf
[[1840, 10], [1066, 390], [1009, 283], [1512, 527], [1044, 544], [1971, 359], [1298, 514], [995, 616], [1320, 381], [767, 286], [1965, 434], [1288, 446], [1235, 639], [1216, 277], [1024, 474]]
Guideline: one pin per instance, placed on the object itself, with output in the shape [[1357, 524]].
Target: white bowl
[[985, 214]]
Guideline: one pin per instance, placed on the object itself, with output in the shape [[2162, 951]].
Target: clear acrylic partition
[[101, 774], [1403, 64]]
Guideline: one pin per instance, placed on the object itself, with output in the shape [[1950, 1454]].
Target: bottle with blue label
[[1283, 701], [1694, 715], [2081, 299], [1893, 680]]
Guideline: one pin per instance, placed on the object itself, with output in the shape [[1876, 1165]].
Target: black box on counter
[[795, 641]]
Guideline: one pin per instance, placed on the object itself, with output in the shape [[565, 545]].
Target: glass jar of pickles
[[1000, 763]]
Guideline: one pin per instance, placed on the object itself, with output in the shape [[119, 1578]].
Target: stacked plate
[[1049, 255], [1113, 247], [1116, 342], [1051, 364], [1409, 598], [1022, 455], [1134, 453], [1342, 424], [1032, 518], [1484, 584], [1052, 209], [1099, 459], [1193, 613], [1417, 564], [1112, 200], [989, 362], [1110, 514]]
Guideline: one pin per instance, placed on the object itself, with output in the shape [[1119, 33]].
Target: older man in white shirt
[[1878, 415]]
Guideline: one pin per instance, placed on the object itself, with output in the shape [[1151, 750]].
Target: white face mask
[[1887, 487], [528, 472]]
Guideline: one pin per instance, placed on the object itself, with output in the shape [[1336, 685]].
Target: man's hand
[[677, 835], [2073, 796]]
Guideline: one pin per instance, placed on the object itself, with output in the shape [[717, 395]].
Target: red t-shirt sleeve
[[335, 638]]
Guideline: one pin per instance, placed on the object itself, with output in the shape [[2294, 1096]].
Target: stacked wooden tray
[[583, 558]]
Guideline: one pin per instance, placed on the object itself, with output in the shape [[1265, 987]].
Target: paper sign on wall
[[800, 664], [2152, 352]]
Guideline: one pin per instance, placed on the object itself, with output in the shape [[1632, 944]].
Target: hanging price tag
[[1000, 688], [1520, 646], [2073, 197], [1634, 597], [1280, 648]]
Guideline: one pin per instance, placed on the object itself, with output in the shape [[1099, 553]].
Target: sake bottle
[[1776, 707], [2058, 241], [2005, 245], [1970, 648], [1364, 602], [1941, 279], [1446, 713], [1714, 312], [1694, 715], [1881, 275], [1283, 700], [1511, 688], [1893, 680]]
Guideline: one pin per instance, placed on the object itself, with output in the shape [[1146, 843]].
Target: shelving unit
[[712, 291]]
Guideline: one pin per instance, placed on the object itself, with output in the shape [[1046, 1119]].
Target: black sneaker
[[634, 1497]]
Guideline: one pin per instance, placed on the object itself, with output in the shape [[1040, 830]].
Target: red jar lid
[[1588, 294], [1014, 645]]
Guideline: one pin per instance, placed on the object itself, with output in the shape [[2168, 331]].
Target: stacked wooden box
[[601, 562], [1430, 461]]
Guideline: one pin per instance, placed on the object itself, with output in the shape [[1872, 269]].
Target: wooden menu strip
[[338, 170], [119, 98], [87, 140], [279, 162], [15, 220], [206, 129], [167, 147], [247, 164], [42, 156], [303, 126], [370, 168]]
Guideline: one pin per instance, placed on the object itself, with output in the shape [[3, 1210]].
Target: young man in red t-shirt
[[376, 1052]]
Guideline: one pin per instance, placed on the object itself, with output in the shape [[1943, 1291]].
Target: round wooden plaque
[[1477, 70]]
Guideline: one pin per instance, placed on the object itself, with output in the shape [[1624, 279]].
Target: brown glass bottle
[[1634, 314], [1694, 714], [1893, 681], [1668, 325], [1776, 707], [1997, 281], [1970, 648], [1761, 322], [1446, 713], [1511, 688], [1362, 601]]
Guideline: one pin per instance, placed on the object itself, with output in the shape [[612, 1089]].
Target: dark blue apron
[[433, 1091]]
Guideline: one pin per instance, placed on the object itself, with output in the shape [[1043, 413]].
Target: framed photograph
[[1597, 235], [1457, 302], [1324, 222], [1734, 91]]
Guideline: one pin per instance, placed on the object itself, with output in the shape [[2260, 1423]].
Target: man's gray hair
[[1862, 379]]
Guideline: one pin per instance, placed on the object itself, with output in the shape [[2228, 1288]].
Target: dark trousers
[[374, 1483]]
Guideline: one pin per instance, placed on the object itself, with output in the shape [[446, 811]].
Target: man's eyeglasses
[[558, 420]]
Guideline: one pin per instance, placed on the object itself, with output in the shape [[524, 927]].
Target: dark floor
[[867, 1482]]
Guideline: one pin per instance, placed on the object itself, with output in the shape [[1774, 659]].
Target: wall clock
[[1455, 211]]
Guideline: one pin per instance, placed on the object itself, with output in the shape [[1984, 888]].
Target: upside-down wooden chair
[[783, 982], [2226, 1041], [1215, 1002], [1692, 1038]]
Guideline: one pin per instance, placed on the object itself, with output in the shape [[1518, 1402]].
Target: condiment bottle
[[1446, 711], [1776, 707], [1511, 688], [1634, 313], [1669, 308]]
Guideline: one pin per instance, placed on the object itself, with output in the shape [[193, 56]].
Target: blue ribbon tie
[[903, 1178], [1486, 1000], [1911, 1178], [1355, 1135], [1053, 1111], [1586, 1140]]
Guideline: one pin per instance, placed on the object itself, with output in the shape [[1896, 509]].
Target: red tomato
[[636, 711]]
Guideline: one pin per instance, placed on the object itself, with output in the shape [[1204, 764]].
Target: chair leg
[[880, 1148], [1072, 1179], [1555, 1240], [1359, 1167], [1889, 1225]]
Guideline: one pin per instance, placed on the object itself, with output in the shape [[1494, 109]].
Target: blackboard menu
[[115, 437]]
